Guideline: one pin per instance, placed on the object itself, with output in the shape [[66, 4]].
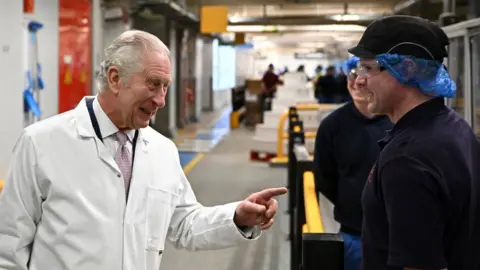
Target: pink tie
[[124, 159]]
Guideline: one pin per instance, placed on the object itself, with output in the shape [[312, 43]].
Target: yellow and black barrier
[[311, 247], [291, 115], [238, 106], [312, 207]]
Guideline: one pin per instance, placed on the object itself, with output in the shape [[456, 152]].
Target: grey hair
[[126, 53]]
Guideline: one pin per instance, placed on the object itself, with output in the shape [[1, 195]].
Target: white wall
[[13, 65], [280, 60], [221, 99], [46, 12], [224, 72], [12, 78], [244, 65]]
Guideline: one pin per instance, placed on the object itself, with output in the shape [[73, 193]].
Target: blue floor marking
[[224, 121], [186, 157], [213, 135]]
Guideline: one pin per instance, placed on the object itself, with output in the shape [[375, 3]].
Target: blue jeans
[[352, 252]]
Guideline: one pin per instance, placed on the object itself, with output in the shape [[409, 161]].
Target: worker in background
[[345, 150], [96, 188], [318, 73], [421, 202], [326, 87], [270, 82], [342, 95]]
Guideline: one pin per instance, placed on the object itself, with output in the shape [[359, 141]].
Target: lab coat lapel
[[141, 165], [86, 131], [141, 175]]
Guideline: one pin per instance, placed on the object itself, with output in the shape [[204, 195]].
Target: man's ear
[[410, 68], [113, 79]]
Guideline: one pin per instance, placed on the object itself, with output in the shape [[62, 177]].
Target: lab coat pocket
[[160, 208]]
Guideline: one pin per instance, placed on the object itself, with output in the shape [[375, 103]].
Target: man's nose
[[360, 81], [159, 98]]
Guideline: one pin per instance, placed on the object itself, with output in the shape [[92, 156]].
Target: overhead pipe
[[448, 16], [404, 5], [296, 20]]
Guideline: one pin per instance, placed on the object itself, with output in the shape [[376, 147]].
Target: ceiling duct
[[299, 20]]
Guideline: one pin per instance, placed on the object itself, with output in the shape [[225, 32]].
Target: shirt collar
[[107, 127], [417, 115]]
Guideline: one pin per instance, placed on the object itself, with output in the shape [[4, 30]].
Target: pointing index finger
[[269, 193]]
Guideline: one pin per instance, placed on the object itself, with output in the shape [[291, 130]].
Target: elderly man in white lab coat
[[96, 188]]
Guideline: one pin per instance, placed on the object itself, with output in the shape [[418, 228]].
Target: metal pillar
[[473, 9], [448, 15]]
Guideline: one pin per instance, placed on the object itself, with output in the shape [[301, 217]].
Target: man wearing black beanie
[[421, 203]]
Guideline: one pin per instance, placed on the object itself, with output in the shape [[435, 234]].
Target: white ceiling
[[276, 2], [334, 39], [331, 38], [326, 40]]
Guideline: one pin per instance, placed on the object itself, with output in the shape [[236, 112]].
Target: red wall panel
[[74, 52]]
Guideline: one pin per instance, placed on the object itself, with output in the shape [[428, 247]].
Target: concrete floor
[[225, 174]]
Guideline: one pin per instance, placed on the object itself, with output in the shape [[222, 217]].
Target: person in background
[[301, 68], [345, 150], [270, 83], [421, 202], [318, 74], [96, 188], [326, 87], [343, 95]]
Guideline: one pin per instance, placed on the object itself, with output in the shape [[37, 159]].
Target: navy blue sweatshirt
[[345, 150]]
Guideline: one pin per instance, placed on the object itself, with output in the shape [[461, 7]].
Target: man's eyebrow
[[156, 78]]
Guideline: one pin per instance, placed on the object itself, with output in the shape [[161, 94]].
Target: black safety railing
[[311, 247]]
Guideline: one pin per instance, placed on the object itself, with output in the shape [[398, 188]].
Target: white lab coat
[[63, 205]]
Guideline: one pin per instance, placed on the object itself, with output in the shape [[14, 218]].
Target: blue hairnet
[[350, 64], [429, 75]]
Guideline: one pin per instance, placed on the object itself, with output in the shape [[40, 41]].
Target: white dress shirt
[[108, 130]]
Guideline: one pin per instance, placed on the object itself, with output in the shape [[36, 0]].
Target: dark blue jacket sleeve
[[325, 167]]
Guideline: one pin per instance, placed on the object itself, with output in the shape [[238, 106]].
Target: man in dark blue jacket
[[345, 150], [421, 203]]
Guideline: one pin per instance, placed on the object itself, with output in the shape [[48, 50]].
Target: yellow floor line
[[193, 162]]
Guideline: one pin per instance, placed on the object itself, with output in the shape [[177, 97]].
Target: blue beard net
[[430, 76]]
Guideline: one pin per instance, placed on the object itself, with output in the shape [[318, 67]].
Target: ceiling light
[[312, 44], [345, 17]]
